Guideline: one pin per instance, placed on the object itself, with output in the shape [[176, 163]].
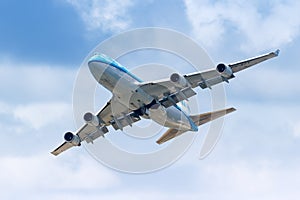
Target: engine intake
[[224, 70], [71, 138], [179, 81], [91, 119]]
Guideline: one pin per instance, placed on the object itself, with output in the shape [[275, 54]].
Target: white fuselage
[[125, 89]]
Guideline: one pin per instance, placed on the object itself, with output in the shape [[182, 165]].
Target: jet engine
[[91, 119], [224, 70], [179, 81], [73, 139]]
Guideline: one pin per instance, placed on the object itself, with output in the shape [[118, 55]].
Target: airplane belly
[[130, 94], [123, 86], [170, 117]]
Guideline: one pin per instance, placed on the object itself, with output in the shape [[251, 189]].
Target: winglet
[[277, 52]]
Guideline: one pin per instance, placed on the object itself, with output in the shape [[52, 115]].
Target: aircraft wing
[[167, 93], [117, 115], [212, 77], [159, 89], [236, 67], [204, 79], [86, 133], [112, 110], [113, 113], [65, 146]]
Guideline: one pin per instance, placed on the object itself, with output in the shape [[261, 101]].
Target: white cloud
[[243, 180], [38, 115], [267, 83], [40, 175], [27, 82], [104, 14], [5, 109], [296, 129], [257, 26], [34, 96]]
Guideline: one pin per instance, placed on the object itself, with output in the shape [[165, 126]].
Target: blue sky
[[42, 45]]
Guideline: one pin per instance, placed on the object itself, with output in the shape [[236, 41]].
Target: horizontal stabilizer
[[170, 134], [198, 120], [207, 117]]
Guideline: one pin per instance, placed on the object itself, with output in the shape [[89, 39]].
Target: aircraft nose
[[97, 68]]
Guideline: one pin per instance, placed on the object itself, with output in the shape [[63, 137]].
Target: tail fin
[[198, 120]]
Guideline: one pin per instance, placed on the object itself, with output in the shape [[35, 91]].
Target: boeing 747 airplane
[[132, 99]]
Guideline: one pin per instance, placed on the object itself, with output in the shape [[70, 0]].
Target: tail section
[[198, 120], [207, 117], [170, 134]]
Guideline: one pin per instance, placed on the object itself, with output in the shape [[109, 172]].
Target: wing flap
[[111, 110], [159, 89], [181, 95], [85, 130], [125, 120], [201, 77], [205, 79], [105, 113]]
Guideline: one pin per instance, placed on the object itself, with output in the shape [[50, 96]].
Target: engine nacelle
[[224, 70], [91, 119], [179, 81], [71, 138]]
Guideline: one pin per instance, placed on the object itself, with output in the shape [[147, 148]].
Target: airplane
[[132, 99]]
